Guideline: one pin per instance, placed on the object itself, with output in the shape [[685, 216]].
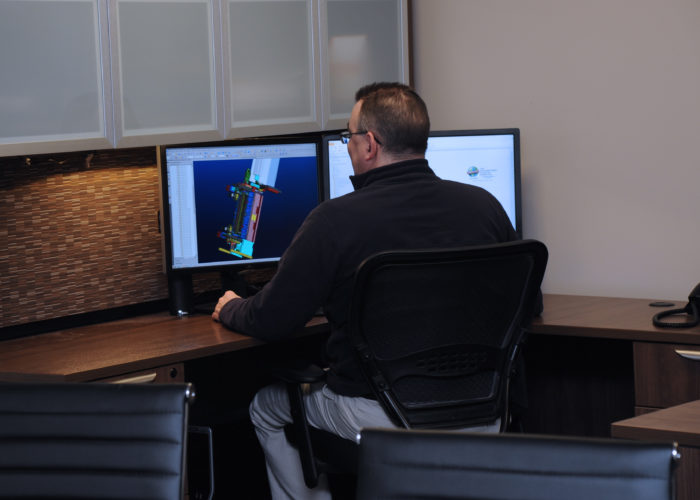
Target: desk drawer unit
[[665, 375]]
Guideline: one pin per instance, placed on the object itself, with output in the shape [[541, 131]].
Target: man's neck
[[388, 159]]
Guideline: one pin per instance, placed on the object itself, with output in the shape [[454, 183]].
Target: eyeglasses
[[346, 135]]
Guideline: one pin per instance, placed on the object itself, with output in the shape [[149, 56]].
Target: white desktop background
[[606, 94]]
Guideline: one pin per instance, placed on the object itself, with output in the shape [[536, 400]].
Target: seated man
[[398, 203]]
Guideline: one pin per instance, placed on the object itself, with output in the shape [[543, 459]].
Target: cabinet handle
[[694, 355], [138, 379]]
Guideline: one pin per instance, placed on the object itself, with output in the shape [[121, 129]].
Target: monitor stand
[[229, 280], [180, 293], [234, 281]]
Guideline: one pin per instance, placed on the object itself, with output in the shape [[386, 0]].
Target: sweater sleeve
[[301, 284]]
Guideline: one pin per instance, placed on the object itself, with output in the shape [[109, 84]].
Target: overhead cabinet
[[271, 59], [95, 74], [54, 86], [364, 41], [165, 71]]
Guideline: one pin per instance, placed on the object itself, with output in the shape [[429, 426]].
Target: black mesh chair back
[[398, 463], [93, 440], [437, 331]]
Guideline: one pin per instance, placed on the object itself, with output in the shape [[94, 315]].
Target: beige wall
[[607, 96]]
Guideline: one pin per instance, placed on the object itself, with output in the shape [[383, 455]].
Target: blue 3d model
[[248, 195]]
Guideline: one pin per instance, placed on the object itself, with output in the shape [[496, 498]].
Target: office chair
[[436, 334], [70, 440], [400, 463]]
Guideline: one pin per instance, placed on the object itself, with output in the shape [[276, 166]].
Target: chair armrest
[[299, 372]]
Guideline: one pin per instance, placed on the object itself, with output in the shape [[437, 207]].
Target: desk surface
[[142, 343], [679, 423], [607, 317], [119, 347]]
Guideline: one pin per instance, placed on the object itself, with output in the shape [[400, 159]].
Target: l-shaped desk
[[666, 361], [590, 361]]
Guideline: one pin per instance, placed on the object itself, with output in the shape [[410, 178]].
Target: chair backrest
[[437, 331], [70, 440], [457, 465]]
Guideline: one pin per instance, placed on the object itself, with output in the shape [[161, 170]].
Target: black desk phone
[[692, 309]]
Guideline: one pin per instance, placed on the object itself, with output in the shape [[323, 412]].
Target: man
[[398, 203]]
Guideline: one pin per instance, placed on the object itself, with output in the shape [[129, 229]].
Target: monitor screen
[[488, 158], [236, 203]]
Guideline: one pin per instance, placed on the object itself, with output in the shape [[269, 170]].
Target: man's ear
[[372, 144]]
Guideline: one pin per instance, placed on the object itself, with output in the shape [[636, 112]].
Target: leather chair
[[70, 440], [436, 333], [399, 463]]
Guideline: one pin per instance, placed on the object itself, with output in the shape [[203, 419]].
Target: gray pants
[[342, 415]]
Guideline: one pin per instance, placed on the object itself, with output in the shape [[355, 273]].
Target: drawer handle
[[138, 379], [694, 355]]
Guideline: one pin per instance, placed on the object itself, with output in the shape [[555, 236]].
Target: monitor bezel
[[514, 132], [325, 139], [517, 184], [166, 216]]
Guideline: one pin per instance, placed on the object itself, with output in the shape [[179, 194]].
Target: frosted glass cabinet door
[[366, 41], [270, 63], [51, 77], [165, 72]]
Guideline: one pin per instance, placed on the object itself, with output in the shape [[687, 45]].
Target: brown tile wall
[[79, 233]]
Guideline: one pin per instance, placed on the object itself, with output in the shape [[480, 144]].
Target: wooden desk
[[590, 361], [610, 318], [680, 424], [594, 360], [136, 347], [225, 367], [666, 360], [142, 343]]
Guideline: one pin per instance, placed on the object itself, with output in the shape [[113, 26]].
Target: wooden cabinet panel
[[666, 374], [688, 473], [577, 386]]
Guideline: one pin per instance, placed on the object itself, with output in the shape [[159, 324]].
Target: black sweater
[[399, 206]]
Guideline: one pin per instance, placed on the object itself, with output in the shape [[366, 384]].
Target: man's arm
[[301, 284]]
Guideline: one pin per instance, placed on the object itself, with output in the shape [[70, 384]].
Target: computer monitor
[[236, 204], [489, 158]]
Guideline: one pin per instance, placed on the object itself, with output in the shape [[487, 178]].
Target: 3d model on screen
[[248, 195]]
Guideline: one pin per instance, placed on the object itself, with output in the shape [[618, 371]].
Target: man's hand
[[223, 300]]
